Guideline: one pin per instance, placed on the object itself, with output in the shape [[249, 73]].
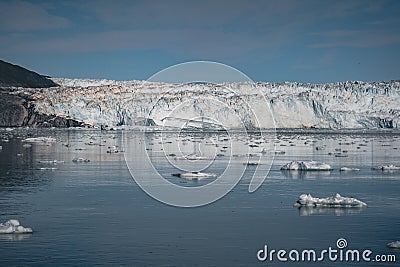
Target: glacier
[[360, 105]]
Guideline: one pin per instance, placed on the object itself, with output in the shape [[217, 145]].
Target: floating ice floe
[[80, 160], [395, 244], [386, 168], [51, 161], [13, 227], [276, 152], [340, 155], [306, 166], [191, 157], [40, 140], [347, 169], [46, 169], [251, 163], [335, 201], [195, 175]]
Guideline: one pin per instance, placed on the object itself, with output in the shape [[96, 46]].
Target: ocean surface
[[94, 214]]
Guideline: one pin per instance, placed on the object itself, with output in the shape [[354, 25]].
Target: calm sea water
[[95, 214]]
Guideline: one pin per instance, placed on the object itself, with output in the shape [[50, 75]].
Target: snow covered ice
[[335, 201], [13, 227], [306, 166]]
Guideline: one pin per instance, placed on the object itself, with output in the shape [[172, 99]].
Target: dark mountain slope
[[16, 76]]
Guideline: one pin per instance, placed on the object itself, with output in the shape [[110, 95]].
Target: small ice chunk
[[307, 166], [80, 160], [14, 227], [335, 201], [46, 169], [195, 175], [251, 163], [395, 244], [347, 169], [192, 157], [386, 168], [51, 161], [39, 140]]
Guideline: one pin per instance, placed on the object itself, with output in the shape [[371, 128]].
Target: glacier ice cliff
[[232, 105]]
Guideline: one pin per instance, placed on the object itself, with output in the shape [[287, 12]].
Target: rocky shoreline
[[18, 110]]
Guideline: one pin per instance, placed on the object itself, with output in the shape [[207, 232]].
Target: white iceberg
[[13, 227], [306, 166], [347, 169], [195, 175], [386, 168], [395, 244], [335, 201], [40, 140]]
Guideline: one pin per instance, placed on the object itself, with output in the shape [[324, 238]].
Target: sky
[[303, 41]]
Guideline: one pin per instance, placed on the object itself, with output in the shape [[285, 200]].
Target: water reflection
[[17, 166], [307, 211], [293, 174], [14, 237]]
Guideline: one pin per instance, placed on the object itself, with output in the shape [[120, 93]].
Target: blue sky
[[305, 41]]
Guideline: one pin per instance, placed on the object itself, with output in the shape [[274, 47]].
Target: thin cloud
[[324, 60], [23, 16], [198, 43], [356, 38]]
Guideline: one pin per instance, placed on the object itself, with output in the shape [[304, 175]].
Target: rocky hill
[[16, 76], [17, 107]]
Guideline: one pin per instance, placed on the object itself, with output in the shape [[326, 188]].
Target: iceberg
[[395, 244], [334, 202], [306, 166], [13, 227], [195, 175]]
